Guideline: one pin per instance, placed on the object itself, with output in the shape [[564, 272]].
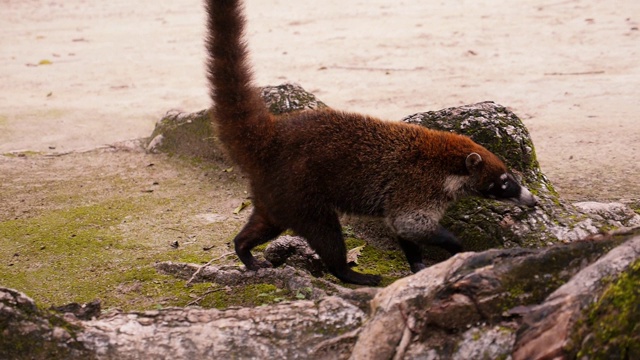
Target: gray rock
[[615, 214], [282, 331], [522, 303], [192, 135], [31, 333], [294, 251], [548, 328], [485, 343], [286, 98], [184, 134], [286, 277], [439, 309]]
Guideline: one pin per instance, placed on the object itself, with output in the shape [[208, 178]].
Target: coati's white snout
[[526, 197]]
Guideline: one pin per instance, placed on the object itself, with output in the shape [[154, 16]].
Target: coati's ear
[[473, 161]]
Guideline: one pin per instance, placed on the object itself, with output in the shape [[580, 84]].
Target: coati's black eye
[[505, 184], [503, 188], [509, 187], [506, 188]]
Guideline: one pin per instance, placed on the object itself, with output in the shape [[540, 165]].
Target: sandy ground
[[76, 74]]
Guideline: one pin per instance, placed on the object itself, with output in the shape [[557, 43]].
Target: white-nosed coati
[[308, 167]]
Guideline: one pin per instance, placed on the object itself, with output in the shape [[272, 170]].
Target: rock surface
[[548, 328], [294, 251], [285, 98], [523, 303]]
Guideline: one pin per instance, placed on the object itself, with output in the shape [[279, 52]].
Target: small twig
[[207, 264], [404, 343], [332, 342], [204, 295], [408, 321], [575, 73], [60, 154], [407, 334], [371, 68]]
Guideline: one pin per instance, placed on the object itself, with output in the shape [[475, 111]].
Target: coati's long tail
[[243, 121]]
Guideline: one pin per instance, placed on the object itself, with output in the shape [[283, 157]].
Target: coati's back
[[358, 164]]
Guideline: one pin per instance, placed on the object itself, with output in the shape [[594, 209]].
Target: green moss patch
[[611, 327], [78, 254], [391, 264], [92, 226]]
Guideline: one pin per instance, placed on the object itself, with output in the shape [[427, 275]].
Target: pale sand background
[[569, 69]]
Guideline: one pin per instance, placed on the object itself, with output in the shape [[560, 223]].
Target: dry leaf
[[242, 207], [353, 254]]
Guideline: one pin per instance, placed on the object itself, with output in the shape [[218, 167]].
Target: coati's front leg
[[413, 252], [258, 230], [421, 227], [445, 239]]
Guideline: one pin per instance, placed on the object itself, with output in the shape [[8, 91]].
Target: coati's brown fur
[[308, 167]]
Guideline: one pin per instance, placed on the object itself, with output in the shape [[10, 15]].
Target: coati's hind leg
[[324, 235], [258, 230]]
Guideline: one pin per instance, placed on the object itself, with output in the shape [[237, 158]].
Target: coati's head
[[491, 179]]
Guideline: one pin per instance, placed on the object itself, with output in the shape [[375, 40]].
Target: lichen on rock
[[548, 329], [27, 332], [610, 327], [286, 98]]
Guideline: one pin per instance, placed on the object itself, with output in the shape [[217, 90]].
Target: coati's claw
[[353, 277], [415, 267], [256, 265]]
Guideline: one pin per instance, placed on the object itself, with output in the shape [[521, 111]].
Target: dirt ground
[[79, 74]]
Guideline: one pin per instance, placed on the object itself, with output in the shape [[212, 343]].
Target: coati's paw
[[256, 265], [446, 240], [357, 278], [368, 280], [415, 267]]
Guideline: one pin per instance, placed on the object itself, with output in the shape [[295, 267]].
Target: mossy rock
[[189, 135], [29, 332], [610, 328], [484, 224], [192, 135], [287, 98]]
